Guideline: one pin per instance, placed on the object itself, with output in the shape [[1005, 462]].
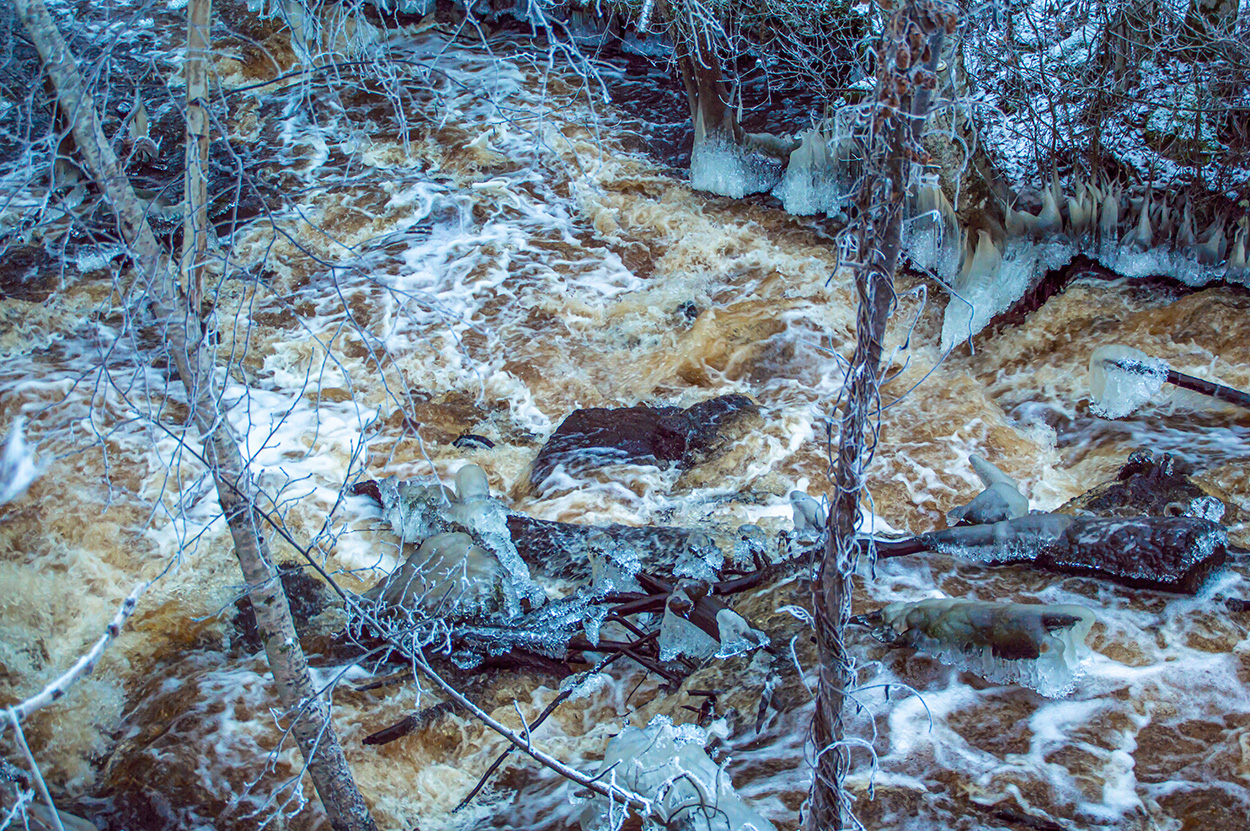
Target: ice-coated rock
[[1037, 646], [448, 574]]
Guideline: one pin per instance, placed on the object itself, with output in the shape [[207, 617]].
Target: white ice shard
[[18, 468], [1036, 646], [1122, 378], [667, 764]]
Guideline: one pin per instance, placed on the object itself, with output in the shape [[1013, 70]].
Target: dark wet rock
[[1152, 486], [600, 436], [28, 272], [1173, 554]]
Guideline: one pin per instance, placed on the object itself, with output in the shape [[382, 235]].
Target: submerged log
[[1174, 554]]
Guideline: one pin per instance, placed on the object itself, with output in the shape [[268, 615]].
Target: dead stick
[[548, 710], [1223, 393]]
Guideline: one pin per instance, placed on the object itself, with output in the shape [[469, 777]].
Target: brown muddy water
[[505, 253]]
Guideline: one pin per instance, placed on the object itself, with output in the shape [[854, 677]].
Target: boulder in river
[[599, 436]]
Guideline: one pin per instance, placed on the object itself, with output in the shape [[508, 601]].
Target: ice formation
[[724, 167], [418, 510], [18, 468], [448, 574], [932, 236], [681, 638], [544, 631], [990, 282], [668, 765], [1122, 378], [700, 559], [737, 635], [751, 544], [809, 515], [1036, 646], [1000, 500], [812, 180]]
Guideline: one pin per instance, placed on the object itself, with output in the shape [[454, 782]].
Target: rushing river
[[482, 244]]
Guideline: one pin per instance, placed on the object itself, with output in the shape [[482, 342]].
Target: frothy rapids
[[481, 244]]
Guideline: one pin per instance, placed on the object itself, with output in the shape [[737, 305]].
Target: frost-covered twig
[[83, 666], [35, 775]]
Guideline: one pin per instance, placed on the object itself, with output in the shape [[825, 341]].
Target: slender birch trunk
[[907, 56], [311, 724]]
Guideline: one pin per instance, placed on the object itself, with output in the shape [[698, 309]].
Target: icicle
[[1185, 237], [1237, 265], [1212, 245], [1140, 235], [1018, 223], [980, 271], [1109, 222], [1078, 215]]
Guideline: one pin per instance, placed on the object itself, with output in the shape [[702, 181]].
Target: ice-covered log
[[1169, 553], [1037, 646]]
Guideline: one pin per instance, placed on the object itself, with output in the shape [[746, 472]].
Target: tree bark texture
[[195, 217], [907, 56], [311, 725]]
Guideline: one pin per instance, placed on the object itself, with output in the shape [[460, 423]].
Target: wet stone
[[1146, 485], [600, 436]]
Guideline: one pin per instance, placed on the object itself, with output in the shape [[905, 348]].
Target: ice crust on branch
[[1039, 647], [667, 763], [1122, 378]]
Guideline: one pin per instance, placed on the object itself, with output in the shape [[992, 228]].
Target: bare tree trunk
[[195, 219], [907, 56], [311, 718]]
